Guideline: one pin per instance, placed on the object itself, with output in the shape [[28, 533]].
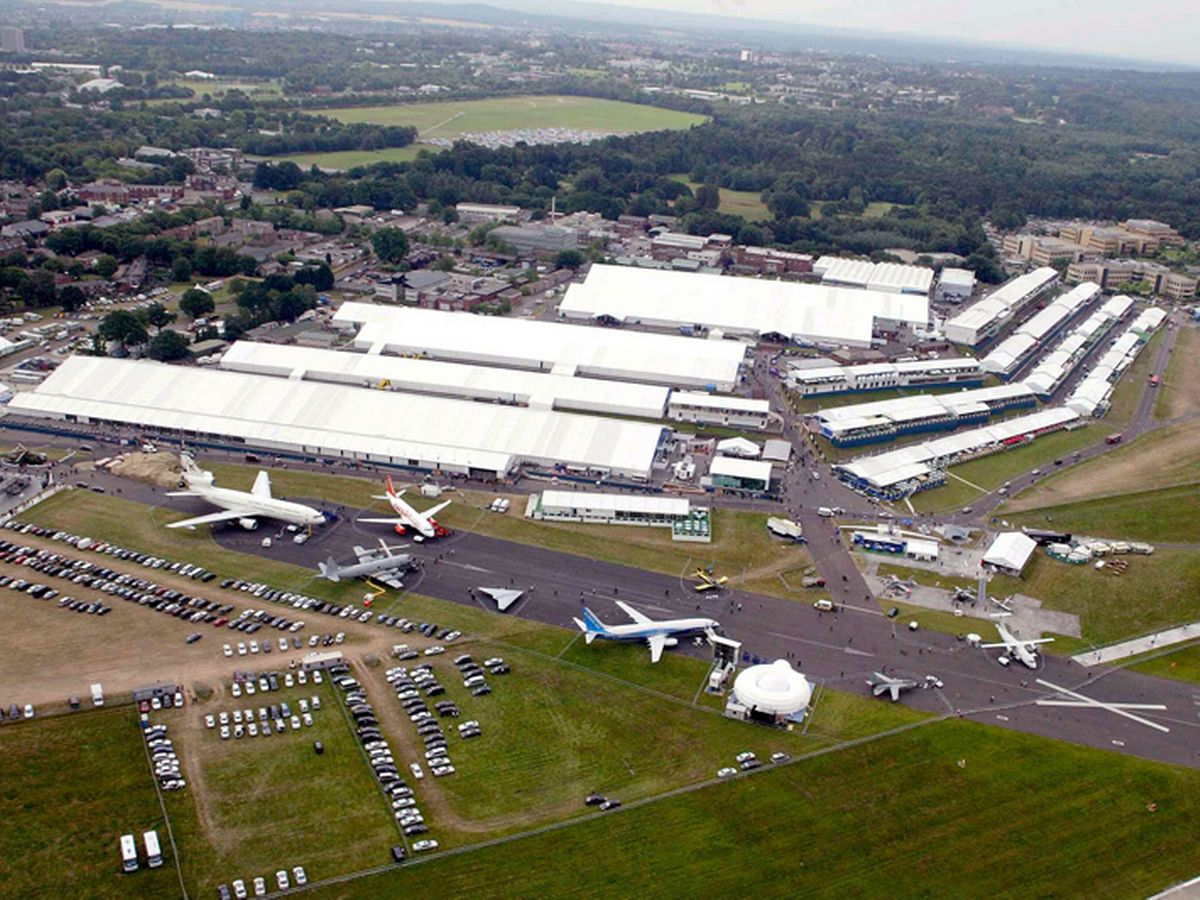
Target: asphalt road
[[841, 649]]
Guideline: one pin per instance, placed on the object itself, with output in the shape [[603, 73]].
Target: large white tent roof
[[543, 390], [739, 305], [332, 419], [1010, 550], [774, 688], [565, 349]]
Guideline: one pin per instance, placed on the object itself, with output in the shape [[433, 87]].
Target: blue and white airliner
[[660, 634]]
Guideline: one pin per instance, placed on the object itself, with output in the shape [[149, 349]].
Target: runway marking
[[849, 650], [1120, 709]]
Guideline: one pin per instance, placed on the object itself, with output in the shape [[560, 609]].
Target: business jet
[[1025, 651], [244, 507], [658, 635], [407, 518]]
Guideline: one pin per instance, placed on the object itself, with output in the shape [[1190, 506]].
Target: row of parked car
[[748, 760], [472, 673], [182, 569], [428, 629], [383, 763], [408, 685], [91, 575], [297, 601], [249, 683], [242, 723], [259, 884], [163, 758]]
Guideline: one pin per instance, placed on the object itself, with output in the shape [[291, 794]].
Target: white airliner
[[407, 518], [246, 507], [658, 634], [1025, 651]]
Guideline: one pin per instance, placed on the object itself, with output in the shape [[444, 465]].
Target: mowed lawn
[[1182, 664], [1171, 515], [991, 472], [349, 159], [1180, 390], [947, 810], [70, 786], [453, 118], [1157, 592], [747, 204], [264, 804]]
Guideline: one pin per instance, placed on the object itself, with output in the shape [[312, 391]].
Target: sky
[[1160, 30]]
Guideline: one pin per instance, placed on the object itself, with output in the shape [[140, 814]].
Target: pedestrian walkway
[[1136, 646]]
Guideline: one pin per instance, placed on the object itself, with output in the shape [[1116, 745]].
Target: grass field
[[1165, 458], [454, 118], [348, 159], [747, 204], [927, 578], [932, 812], [61, 834], [257, 805], [991, 472], [1157, 592], [1182, 664], [1169, 514], [1179, 393]]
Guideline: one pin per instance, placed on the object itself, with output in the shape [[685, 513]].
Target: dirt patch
[[162, 469]]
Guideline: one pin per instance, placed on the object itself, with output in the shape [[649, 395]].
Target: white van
[[824, 605], [153, 851], [129, 859]]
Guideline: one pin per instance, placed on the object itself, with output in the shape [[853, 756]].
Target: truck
[[824, 512], [97, 694], [813, 581], [1114, 438]]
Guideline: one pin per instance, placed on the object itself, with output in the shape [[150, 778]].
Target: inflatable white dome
[[773, 688]]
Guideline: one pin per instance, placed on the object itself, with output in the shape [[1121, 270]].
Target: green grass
[[1182, 664], [1179, 393], [747, 204], [70, 786], [453, 118], [928, 813], [349, 159], [1170, 514], [1157, 592], [272, 803], [991, 472]]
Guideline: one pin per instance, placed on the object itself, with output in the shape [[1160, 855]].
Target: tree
[[196, 303], [391, 244], [181, 269], [569, 259], [320, 277], [105, 266], [168, 345], [159, 316], [56, 179], [122, 326], [71, 298]]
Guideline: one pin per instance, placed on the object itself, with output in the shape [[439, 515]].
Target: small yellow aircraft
[[709, 581]]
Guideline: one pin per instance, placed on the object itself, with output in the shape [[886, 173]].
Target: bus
[[129, 860], [153, 851]]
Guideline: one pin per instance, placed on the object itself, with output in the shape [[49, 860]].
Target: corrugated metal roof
[[635, 503], [720, 401]]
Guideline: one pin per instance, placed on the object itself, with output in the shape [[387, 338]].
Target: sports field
[[454, 118], [349, 159], [891, 817]]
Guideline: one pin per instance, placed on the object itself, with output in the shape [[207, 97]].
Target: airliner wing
[[657, 642], [994, 646], [430, 513], [182, 494], [395, 520], [262, 485], [638, 617], [227, 515]]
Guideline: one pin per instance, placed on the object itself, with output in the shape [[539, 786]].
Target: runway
[[840, 649]]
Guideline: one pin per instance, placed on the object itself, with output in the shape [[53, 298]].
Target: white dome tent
[[771, 692]]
